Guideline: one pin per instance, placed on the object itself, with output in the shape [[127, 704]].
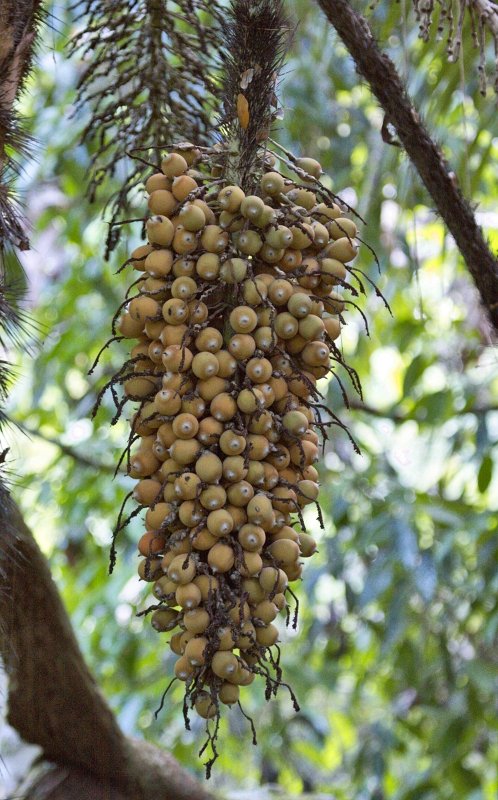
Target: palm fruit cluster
[[234, 315]]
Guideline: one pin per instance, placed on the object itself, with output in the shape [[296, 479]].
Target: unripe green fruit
[[192, 217], [279, 237], [230, 198], [272, 183], [310, 166], [299, 305], [295, 422], [286, 326], [225, 639], [270, 255], [208, 266], [251, 207], [249, 242], [303, 198], [234, 270], [254, 291]]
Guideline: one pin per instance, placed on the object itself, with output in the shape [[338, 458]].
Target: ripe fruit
[[232, 321]]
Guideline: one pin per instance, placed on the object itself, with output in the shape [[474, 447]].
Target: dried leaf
[[246, 78], [243, 111]]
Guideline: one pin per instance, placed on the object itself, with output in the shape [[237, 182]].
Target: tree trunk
[[54, 701]]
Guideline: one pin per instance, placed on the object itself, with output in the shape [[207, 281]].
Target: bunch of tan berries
[[235, 315]]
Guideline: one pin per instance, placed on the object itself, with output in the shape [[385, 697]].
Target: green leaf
[[485, 474]]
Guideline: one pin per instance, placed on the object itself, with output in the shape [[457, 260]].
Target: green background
[[395, 660]]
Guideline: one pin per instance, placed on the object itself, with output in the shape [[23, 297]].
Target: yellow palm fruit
[[183, 668], [188, 596], [196, 620], [173, 165], [213, 497], [205, 706], [221, 557], [182, 569], [208, 585], [195, 650], [209, 467], [220, 523], [229, 694], [182, 187], [164, 620]]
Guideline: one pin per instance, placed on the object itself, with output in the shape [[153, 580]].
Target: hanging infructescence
[[234, 319]]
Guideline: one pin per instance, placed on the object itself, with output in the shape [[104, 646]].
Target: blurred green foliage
[[395, 660]]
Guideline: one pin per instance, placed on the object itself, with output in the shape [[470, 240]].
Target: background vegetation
[[395, 660]]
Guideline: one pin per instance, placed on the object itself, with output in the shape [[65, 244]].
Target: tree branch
[[66, 449], [53, 699], [395, 416], [378, 69], [19, 20]]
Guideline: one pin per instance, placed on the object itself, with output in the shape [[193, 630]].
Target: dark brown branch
[[53, 699], [378, 69]]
